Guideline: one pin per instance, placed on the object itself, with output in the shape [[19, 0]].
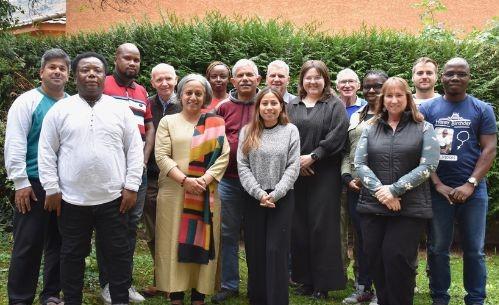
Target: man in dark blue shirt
[[467, 132]]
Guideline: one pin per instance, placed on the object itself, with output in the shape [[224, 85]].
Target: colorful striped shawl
[[195, 242]]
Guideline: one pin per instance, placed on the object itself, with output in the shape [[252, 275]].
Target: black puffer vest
[[391, 155]]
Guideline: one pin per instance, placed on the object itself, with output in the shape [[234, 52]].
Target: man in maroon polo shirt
[[122, 86]]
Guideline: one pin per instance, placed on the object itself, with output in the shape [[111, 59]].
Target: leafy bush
[[191, 46]]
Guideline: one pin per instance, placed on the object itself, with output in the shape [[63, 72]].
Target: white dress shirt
[[90, 154]]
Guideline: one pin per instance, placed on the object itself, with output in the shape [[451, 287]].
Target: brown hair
[[255, 127], [213, 65], [424, 60], [321, 67], [394, 81]]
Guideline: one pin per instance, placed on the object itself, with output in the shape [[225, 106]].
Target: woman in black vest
[[395, 156], [315, 243]]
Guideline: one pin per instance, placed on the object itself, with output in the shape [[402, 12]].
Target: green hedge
[[190, 46]]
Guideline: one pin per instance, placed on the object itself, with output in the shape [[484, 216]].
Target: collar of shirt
[[40, 89], [123, 83], [358, 103], [163, 102], [167, 102]]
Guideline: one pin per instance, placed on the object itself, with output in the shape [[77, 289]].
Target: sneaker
[[134, 296], [224, 295], [359, 296], [319, 295], [106, 296], [374, 301]]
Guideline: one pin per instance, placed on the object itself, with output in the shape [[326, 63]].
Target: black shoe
[[224, 295], [293, 283], [319, 295], [53, 301], [304, 290]]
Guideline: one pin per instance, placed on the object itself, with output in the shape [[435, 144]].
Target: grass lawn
[[143, 277]]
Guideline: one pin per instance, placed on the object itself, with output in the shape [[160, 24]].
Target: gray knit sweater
[[274, 165]]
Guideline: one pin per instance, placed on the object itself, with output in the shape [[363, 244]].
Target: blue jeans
[[471, 218], [233, 198], [134, 216]]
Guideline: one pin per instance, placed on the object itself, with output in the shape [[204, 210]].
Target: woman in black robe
[[322, 122]]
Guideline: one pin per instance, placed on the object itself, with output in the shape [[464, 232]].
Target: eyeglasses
[[313, 78], [458, 74], [346, 81], [373, 86]]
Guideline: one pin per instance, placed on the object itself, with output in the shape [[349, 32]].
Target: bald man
[[460, 190], [122, 86]]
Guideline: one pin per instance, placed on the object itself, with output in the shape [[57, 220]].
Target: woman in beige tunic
[[174, 138]]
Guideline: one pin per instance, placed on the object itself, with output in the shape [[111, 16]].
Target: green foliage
[[6, 11], [5, 189], [191, 46]]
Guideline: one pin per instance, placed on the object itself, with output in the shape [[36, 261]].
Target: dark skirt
[[316, 242]]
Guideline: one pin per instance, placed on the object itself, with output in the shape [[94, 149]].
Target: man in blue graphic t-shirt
[[467, 132]]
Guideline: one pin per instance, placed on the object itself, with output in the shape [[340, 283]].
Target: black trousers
[[391, 244], [267, 237], [149, 214], [76, 225], [35, 233]]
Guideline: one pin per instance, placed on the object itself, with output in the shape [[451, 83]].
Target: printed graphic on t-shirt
[[449, 130], [444, 138]]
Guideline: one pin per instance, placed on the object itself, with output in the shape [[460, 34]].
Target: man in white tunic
[[90, 163]]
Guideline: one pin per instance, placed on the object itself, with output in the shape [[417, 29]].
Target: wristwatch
[[314, 156], [473, 181]]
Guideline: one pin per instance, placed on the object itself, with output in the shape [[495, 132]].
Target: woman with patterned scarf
[[192, 153]]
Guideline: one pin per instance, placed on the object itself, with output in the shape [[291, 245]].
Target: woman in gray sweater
[[268, 160]]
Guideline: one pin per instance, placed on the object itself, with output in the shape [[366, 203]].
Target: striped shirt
[[135, 96]]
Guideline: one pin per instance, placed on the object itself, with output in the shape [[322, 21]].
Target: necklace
[[309, 102]]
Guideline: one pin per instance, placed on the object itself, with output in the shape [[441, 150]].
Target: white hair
[[279, 64], [163, 67], [343, 73], [243, 63]]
